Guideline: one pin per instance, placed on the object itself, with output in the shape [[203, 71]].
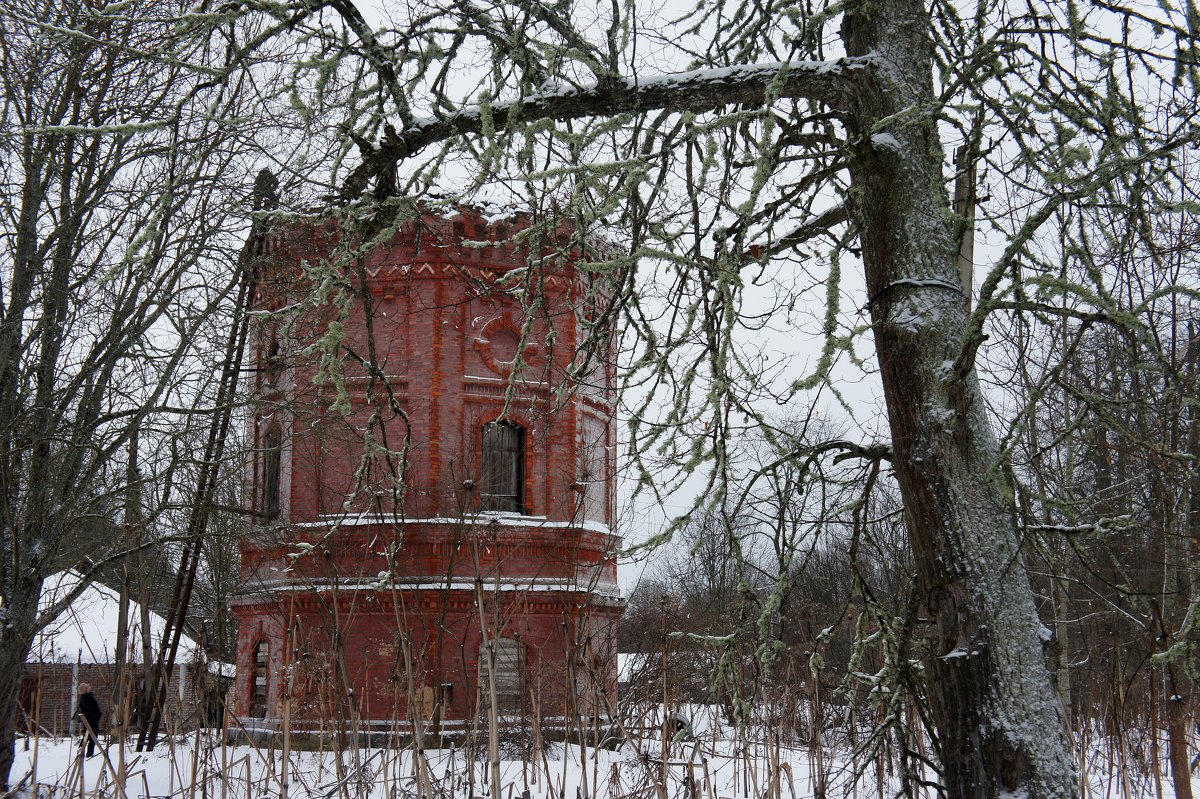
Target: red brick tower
[[431, 497]]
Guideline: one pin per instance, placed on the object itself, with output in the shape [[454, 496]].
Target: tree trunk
[[1177, 737], [16, 637], [990, 691]]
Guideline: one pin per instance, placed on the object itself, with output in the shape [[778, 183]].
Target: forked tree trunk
[[989, 687]]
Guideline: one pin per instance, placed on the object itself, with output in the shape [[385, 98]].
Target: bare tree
[[740, 157], [1108, 487], [120, 218]]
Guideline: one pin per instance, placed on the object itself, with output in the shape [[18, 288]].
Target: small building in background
[[80, 647], [433, 481]]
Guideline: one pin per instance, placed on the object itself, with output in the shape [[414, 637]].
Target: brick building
[[433, 481]]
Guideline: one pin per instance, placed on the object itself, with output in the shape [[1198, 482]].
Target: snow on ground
[[712, 765], [564, 771]]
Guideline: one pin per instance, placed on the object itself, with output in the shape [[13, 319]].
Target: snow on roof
[[630, 664], [87, 630]]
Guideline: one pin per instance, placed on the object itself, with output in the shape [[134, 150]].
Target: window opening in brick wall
[[272, 362], [510, 657], [272, 458], [502, 487], [258, 688]]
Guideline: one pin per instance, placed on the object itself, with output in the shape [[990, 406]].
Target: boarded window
[[594, 470], [510, 656], [502, 484], [258, 688], [272, 455], [425, 701]]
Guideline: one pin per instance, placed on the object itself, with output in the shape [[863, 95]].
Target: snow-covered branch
[[698, 90]]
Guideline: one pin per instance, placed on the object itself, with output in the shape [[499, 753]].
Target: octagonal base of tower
[[522, 620], [321, 650], [325, 652]]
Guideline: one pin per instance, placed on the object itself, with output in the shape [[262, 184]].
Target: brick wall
[[49, 695], [447, 329]]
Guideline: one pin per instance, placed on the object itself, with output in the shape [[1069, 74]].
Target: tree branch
[[828, 82]]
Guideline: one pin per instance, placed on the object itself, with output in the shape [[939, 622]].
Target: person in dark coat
[[89, 711]]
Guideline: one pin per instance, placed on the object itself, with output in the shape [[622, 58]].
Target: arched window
[[272, 454], [502, 483], [258, 684]]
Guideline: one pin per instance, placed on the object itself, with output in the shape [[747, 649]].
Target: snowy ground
[[569, 771], [711, 766]]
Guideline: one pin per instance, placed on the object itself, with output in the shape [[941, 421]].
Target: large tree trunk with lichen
[[998, 716]]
